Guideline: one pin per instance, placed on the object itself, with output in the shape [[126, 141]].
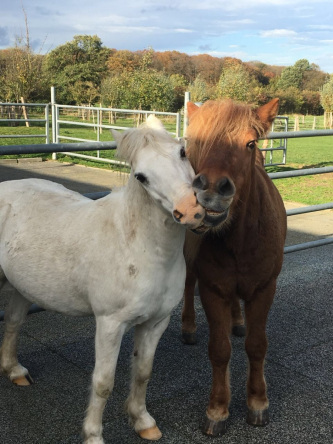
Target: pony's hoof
[[152, 434], [215, 428], [239, 330], [23, 381], [189, 338], [257, 417]]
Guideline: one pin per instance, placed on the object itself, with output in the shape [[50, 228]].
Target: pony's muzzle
[[189, 212]]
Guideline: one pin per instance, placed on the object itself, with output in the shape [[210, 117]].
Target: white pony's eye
[[182, 152], [141, 178]]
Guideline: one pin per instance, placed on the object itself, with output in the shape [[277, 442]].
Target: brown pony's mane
[[218, 120]]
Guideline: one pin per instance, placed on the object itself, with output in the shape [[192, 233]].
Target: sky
[[275, 32]]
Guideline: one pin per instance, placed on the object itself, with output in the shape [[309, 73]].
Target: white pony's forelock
[[131, 140]]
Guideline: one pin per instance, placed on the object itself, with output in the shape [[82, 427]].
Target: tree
[[81, 61], [314, 79], [179, 85], [236, 83], [123, 61], [208, 67], [21, 71], [292, 76], [174, 62], [199, 90], [311, 103], [148, 90], [326, 95], [112, 90], [291, 100]]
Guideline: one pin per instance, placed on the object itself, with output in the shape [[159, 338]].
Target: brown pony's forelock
[[217, 121]]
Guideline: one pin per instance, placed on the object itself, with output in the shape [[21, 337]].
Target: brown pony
[[240, 255]]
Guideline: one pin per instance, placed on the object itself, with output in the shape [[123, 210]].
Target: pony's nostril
[[177, 215], [226, 187], [200, 182]]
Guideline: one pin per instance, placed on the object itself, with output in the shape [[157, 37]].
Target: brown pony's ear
[[268, 112], [191, 108]]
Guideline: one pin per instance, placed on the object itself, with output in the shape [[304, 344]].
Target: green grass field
[[301, 153]]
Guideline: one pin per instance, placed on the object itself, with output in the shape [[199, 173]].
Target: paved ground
[[59, 353]]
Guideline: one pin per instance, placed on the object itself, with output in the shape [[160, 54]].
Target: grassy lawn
[[308, 152]]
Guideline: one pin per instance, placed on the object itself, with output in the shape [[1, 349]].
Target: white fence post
[[54, 120], [186, 99]]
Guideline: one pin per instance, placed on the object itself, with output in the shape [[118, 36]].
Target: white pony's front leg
[[107, 344], [15, 315], [145, 343]]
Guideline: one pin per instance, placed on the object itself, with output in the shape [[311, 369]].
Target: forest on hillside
[[84, 71]]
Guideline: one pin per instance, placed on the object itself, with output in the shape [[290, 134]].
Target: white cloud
[[278, 33], [183, 31]]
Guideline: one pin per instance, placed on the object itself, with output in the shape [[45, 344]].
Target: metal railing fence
[[44, 121], [271, 147], [98, 126]]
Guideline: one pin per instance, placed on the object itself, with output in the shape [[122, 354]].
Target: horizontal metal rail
[[91, 125], [297, 173], [23, 120], [23, 104], [307, 245], [100, 159], [117, 110], [21, 136], [297, 134], [58, 147], [310, 209]]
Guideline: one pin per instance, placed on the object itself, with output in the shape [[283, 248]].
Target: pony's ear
[[268, 112], [191, 108], [154, 123], [116, 135]]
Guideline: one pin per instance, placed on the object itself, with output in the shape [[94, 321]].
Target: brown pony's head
[[222, 147]]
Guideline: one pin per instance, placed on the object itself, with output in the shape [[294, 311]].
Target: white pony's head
[[159, 163]]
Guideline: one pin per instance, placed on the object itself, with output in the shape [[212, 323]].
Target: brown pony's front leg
[[256, 312], [218, 312], [188, 314]]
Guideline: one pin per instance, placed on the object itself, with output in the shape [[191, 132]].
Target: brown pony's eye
[[251, 145]]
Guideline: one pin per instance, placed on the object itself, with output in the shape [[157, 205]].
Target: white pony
[[119, 258]]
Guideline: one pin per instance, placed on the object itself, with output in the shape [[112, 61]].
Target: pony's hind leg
[[145, 343], [15, 315]]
